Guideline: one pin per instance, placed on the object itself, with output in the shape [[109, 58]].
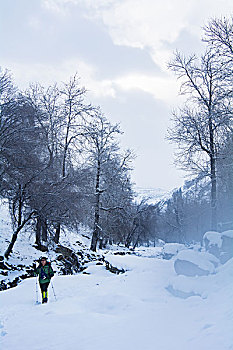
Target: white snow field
[[134, 310]]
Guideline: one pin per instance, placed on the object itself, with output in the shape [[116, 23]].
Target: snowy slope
[[100, 310], [19, 264], [151, 195]]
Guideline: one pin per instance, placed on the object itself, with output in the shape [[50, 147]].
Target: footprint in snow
[[206, 326], [2, 333]]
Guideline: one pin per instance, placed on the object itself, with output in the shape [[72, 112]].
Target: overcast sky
[[120, 50]]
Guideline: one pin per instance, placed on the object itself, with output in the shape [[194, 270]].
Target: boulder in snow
[[213, 242], [227, 246], [171, 249], [219, 244], [193, 263]]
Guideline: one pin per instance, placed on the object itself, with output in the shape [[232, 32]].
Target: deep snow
[[134, 310]]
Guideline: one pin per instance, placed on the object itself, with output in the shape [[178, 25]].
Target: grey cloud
[[187, 42], [144, 121], [61, 38]]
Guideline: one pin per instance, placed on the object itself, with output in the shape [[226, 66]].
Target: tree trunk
[[213, 195], [230, 196], [104, 243], [213, 178], [58, 228], [131, 233], [95, 235], [38, 232], [57, 233], [101, 243], [130, 237], [136, 242], [15, 234], [20, 207], [64, 161], [44, 235]]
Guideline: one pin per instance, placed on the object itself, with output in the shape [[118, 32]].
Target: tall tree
[[73, 112], [22, 165], [199, 127], [46, 102], [116, 200], [99, 141], [218, 34], [61, 113]]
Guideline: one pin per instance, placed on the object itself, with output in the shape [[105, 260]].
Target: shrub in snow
[[193, 263], [171, 249]]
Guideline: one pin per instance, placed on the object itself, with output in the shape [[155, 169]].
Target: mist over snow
[[166, 297]]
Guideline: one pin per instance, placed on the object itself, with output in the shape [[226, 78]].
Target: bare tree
[[20, 156], [218, 33], [60, 163], [61, 112], [116, 199], [200, 126], [225, 183], [46, 103], [9, 123], [100, 145], [73, 113]]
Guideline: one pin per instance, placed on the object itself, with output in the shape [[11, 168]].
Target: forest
[[61, 165]]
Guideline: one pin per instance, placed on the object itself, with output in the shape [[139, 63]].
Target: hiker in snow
[[45, 272]]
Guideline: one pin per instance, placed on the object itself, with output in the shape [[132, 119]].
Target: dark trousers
[[44, 287], [44, 290]]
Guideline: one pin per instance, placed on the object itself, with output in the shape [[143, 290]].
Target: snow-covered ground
[[134, 310], [151, 195], [148, 307], [24, 252]]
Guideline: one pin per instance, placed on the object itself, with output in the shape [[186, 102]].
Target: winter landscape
[[116, 175], [150, 305]]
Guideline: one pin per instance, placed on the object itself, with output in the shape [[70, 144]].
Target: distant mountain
[[152, 195]]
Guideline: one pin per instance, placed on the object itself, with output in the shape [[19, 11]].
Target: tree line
[[61, 164], [202, 130]]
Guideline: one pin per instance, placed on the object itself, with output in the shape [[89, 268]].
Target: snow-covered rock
[[228, 234], [213, 238], [171, 249], [227, 246], [193, 263], [203, 286], [219, 244]]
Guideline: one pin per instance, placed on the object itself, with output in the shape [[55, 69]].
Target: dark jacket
[[45, 272]]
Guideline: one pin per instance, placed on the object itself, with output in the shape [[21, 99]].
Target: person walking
[[45, 272]]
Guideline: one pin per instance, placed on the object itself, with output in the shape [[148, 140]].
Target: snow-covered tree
[[199, 128]]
